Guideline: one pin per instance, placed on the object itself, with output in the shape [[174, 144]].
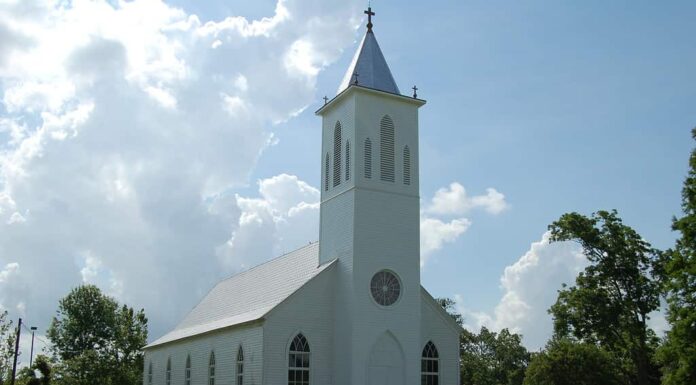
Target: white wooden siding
[[225, 343]]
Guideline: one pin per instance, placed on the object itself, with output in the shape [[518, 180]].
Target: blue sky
[[155, 153], [561, 106]]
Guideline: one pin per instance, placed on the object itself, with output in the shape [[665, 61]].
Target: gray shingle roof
[[371, 68], [250, 295]]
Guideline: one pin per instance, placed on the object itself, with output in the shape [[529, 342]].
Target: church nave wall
[[308, 311], [435, 328], [224, 343]]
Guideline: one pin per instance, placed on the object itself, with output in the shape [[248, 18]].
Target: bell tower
[[370, 212]]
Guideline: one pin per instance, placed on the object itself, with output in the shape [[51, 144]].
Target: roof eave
[[251, 322], [443, 313], [354, 87]]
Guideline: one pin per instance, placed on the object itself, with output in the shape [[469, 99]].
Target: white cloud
[[449, 202], [11, 269], [126, 128], [284, 217], [434, 233], [162, 96], [455, 201], [529, 289], [126, 132]]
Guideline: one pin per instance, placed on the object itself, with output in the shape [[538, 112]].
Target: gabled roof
[[371, 68], [432, 302], [250, 295]]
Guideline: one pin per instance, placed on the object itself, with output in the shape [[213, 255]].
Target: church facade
[[349, 309]]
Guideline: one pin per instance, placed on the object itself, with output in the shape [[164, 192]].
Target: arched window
[[298, 358], [240, 366], [368, 158], [326, 173], [149, 374], [337, 155], [211, 369], [187, 371], [407, 166], [386, 149], [348, 160], [430, 365], [168, 373]]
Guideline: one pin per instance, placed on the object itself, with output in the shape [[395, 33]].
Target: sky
[[155, 147]]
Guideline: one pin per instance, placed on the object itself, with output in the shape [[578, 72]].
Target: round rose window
[[385, 288]]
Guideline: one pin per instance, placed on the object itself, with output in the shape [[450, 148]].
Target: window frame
[[337, 157], [407, 165], [399, 284], [305, 357], [239, 374], [149, 373], [327, 167], [367, 153], [187, 370], [211, 368], [347, 160], [387, 149], [430, 355], [168, 372]]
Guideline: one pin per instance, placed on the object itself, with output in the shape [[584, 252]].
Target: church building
[[349, 309]]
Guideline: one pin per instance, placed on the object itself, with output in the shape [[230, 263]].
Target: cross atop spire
[[369, 14], [369, 63]]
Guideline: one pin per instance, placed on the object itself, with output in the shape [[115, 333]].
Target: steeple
[[369, 68]]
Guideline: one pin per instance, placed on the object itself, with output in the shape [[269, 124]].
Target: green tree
[[97, 341], [678, 352], [490, 358], [565, 362], [42, 365], [449, 305], [7, 342], [611, 300]]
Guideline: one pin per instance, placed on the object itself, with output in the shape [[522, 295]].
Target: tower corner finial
[[369, 14]]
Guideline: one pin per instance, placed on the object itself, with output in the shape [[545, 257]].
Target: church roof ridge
[[251, 269], [249, 295]]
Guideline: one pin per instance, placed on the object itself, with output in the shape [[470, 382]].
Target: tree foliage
[[28, 375], [7, 342], [678, 352], [565, 362], [611, 300], [96, 340], [449, 305], [490, 358]]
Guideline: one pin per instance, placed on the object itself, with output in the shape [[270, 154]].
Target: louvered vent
[[368, 158], [386, 149], [347, 160], [407, 166], [337, 155], [326, 173]]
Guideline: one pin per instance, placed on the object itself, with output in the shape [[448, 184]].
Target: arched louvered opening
[[386, 149], [368, 158], [149, 374], [326, 173], [430, 365], [211, 369], [407, 166], [168, 373], [348, 160], [240, 366], [298, 358], [337, 155], [187, 371]]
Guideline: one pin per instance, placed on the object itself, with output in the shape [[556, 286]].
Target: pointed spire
[[369, 64]]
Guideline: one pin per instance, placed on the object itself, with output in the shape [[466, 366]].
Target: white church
[[349, 309]]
